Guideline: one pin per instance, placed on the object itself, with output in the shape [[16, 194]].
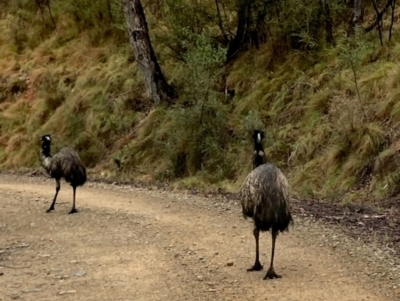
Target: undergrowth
[[330, 112]]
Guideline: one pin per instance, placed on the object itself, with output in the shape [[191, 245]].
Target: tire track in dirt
[[134, 245]]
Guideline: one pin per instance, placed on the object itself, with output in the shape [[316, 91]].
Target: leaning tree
[[156, 85]]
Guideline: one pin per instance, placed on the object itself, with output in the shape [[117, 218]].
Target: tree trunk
[[328, 22], [156, 86], [220, 23], [238, 41], [41, 4], [380, 14], [357, 16], [250, 26]]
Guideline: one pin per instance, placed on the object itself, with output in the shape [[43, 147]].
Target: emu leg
[[271, 272], [55, 197], [73, 210], [257, 265]]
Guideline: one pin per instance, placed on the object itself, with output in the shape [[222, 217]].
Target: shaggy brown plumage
[[64, 164], [265, 198]]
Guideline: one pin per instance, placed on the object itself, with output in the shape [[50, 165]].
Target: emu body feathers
[[64, 164], [265, 198]]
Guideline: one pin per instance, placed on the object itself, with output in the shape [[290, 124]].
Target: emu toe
[[271, 274], [73, 210], [257, 267], [50, 209]]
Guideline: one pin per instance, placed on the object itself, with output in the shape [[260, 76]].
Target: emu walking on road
[[265, 198], [64, 164]]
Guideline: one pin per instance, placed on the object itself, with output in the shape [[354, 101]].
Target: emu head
[[258, 154], [46, 142], [258, 136]]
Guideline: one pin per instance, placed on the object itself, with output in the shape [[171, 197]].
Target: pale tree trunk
[[156, 86], [357, 16]]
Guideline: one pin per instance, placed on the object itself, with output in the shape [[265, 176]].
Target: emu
[[64, 164], [265, 198]]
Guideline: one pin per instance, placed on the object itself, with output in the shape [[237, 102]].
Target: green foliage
[[253, 121], [204, 64], [193, 138], [102, 18], [26, 27], [30, 23], [330, 111], [200, 132]]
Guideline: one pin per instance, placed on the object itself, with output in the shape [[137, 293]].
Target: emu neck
[[258, 146], [258, 155], [45, 157], [46, 151]]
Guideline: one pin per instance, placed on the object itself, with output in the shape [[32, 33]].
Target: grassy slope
[[331, 142]]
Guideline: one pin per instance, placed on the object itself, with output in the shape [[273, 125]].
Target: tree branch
[[393, 5], [220, 23], [379, 16], [379, 22]]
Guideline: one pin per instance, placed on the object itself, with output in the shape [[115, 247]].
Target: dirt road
[[133, 244]]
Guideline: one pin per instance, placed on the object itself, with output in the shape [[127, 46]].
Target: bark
[[156, 85], [328, 22], [393, 5], [241, 30], [110, 15], [357, 16], [379, 15], [249, 29], [374, 4], [45, 3], [220, 23]]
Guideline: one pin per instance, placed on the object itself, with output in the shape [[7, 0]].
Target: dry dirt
[[130, 243]]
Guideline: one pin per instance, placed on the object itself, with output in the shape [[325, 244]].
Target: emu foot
[[50, 209], [73, 210], [271, 274], [257, 267]]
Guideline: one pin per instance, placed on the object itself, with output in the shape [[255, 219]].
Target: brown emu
[[64, 164], [265, 198]]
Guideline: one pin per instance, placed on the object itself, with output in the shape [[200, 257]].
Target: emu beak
[[259, 138]]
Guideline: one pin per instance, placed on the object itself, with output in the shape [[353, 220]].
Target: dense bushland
[[326, 94]]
